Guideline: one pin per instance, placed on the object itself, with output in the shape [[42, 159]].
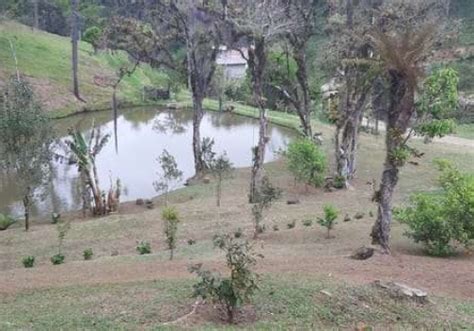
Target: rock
[[149, 204], [293, 202], [403, 291], [363, 253], [140, 202], [359, 216], [347, 218], [206, 180], [326, 293], [114, 253]]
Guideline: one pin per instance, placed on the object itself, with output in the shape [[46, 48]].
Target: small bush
[[359, 216], [57, 259], [306, 162], [28, 261], [191, 242], [171, 218], [5, 222], [330, 216], [307, 223], [144, 248], [276, 228], [339, 182], [55, 218], [264, 198], [291, 225], [88, 254], [439, 220], [236, 289], [238, 233]]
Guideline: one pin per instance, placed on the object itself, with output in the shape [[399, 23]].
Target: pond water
[[142, 136]]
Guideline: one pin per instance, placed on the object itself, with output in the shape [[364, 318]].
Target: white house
[[233, 62]]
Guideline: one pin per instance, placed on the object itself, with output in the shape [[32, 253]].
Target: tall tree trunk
[[257, 59], [401, 108], [27, 205], [35, 15], [304, 110], [74, 41], [198, 114]]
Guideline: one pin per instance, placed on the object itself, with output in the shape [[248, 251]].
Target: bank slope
[[45, 59]]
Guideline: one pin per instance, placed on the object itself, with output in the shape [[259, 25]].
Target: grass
[[465, 131], [45, 59], [286, 303]]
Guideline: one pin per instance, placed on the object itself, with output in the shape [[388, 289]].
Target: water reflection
[[143, 134]]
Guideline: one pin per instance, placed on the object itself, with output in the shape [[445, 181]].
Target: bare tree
[[260, 23]]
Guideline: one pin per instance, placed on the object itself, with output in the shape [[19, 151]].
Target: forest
[[236, 164]]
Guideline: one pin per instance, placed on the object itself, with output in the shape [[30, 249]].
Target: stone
[[401, 290], [293, 202], [363, 253], [206, 180], [140, 202], [347, 218], [114, 253], [359, 216]]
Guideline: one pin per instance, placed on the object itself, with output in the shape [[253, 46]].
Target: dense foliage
[[307, 162], [440, 220]]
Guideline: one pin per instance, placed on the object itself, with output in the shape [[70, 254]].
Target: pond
[[142, 136]]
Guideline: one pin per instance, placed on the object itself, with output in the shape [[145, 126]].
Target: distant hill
[[45, 59]]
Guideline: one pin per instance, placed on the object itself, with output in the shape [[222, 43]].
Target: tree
[[75, 47], [264, 199], [237, 288], [330, 216], [25, 140], [305, 14], [193, 25], [221, 167], [93, 35], [403, 42], [352, 57], [169, 175], [171, 218], [84, 152], [260, 23]]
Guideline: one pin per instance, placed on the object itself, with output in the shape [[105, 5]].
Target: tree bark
[[198, 114], [401, 109], [257, 61], [304, 109], [35, 15], [26, 205], [75, 48]]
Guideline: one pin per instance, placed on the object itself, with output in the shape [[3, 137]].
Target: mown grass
[[289, 303], [46, 60], [465, 131]]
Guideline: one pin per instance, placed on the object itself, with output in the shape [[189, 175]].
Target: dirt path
[[439, 276]]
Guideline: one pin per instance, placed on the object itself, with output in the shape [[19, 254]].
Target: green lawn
[[45, 59], [288, 303]]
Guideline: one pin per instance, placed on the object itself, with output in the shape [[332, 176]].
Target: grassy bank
[[44, 59]]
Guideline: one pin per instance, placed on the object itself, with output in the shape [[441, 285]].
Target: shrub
[[438, 220], [339, 182], [276, 228], [191, 242], [92, 35], [238, 233], [306, 162], [5, 222], [171, 218], [87, 254], [144, 248], [330, 216], [28, 261], [236, 289], [55, 218], [264, 198], [57, 259], [307, 223], [291, 225]]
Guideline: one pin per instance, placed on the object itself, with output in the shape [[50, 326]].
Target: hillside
[[45, 59]]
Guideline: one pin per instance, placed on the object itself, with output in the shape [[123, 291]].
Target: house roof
[[231, 57]]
